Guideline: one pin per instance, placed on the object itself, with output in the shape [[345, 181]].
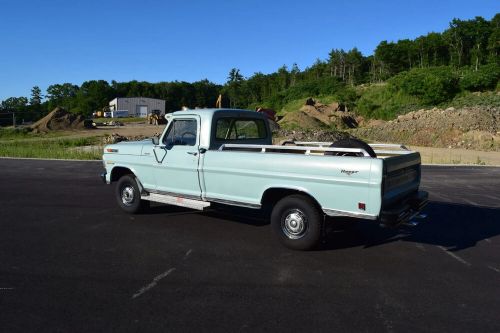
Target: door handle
[[194, 153]]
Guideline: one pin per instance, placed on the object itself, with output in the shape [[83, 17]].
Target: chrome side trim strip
[[176, 201], [338, 213], [234, 203], [186, 196], [196, 198]]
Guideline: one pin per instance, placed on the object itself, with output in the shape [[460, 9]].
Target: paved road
[[71, 261]]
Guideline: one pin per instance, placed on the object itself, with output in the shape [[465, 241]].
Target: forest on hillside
[[427, 70]]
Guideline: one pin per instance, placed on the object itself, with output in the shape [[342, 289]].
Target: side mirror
[[155, 140]]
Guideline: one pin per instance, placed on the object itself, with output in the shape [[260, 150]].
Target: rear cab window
[[234, 129]]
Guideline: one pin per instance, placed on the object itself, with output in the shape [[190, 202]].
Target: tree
[[234, 76], [36, 96], [317, 70], [455, 38], [12, 104], [258, 88], [354, 61], [62, 95], [93, 95], [494, 40], [389, 59], [337, 63], [283, 77], [233, 87], [294, 73], [479, 31], [407, 51], [437, 49]]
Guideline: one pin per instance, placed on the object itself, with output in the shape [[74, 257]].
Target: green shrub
[[485, 78], [431, 85], [468, 99], [313, 88]]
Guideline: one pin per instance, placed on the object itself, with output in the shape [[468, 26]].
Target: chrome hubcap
[[294, 225], [127, 195]]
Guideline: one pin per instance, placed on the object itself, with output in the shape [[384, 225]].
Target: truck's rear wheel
[[297, 222], [128, 195]]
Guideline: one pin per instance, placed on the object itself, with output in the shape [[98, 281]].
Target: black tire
[[128, 195], [305, 234], [351, 143]]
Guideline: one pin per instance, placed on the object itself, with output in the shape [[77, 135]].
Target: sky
[[57, 41]]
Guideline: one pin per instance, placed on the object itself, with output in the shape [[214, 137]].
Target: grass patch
[[8, 133], [26, 133], [383, 102], [59, 148]]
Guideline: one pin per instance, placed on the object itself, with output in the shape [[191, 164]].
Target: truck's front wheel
[[297, 222], [128, 195]]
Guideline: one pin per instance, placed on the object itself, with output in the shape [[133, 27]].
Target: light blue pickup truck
[[222, 156]]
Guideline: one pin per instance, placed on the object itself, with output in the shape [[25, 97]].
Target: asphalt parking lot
[[71, 261]]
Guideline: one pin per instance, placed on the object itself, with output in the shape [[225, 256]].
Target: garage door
[[142, 111]]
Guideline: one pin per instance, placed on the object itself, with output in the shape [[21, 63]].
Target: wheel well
[[118, 172], [272, 195]]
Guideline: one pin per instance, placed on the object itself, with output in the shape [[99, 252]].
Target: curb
[[47, 159], [463, 165]]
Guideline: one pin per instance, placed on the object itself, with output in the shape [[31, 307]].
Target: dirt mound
[[59, 119], [308, 135], [471, 127], [315, 114], [300, 120], [115, 138]]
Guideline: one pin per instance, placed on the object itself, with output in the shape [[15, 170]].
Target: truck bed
[[339, 183]]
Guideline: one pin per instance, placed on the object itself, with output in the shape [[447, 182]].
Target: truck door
[[177, 157]]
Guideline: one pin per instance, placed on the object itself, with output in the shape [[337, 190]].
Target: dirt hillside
[[470, 128], [474, 128], [316, 135]]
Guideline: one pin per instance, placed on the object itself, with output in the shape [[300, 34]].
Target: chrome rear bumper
[[403, 212]]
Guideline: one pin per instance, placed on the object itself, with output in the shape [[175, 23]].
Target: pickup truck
[[222, 156]]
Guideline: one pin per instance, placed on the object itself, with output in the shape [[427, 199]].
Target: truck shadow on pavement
[[227, 213], [452, 226]]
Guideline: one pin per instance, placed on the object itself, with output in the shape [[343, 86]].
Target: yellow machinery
[[218, 104], [155, 118]]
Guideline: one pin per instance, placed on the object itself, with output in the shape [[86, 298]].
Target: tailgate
[[401, 177]]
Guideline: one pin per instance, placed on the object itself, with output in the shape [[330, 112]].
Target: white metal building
[[137, 106]]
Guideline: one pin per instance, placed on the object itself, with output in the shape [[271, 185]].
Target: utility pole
[[13, 119]]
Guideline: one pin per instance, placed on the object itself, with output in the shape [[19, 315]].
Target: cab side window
[[182, 132]]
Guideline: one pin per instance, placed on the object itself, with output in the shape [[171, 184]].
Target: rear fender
[[274, 194]]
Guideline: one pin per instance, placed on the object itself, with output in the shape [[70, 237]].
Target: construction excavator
[[155, 118]]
